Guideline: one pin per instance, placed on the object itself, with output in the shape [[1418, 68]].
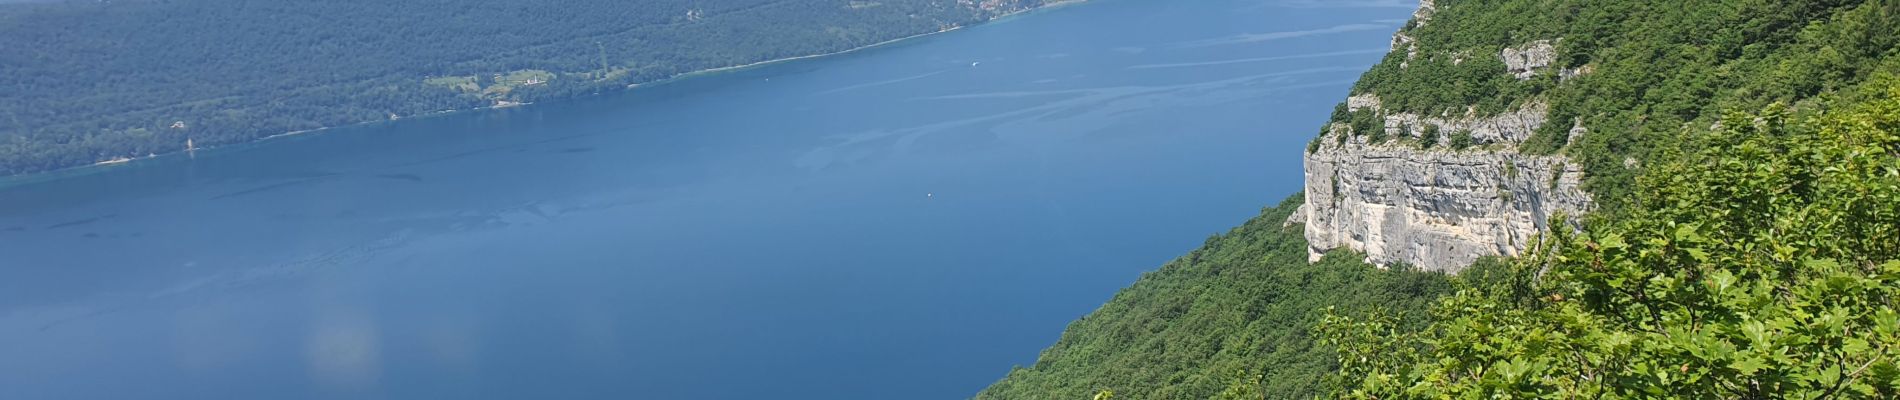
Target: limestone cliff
[[1434, 208], [1414, 195]]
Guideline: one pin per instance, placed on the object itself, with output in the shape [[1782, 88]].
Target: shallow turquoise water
[[904, 222]]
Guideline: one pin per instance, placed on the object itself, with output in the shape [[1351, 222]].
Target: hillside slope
[[1229, 320], [94, 81], [1721, 178], [1489, 117]]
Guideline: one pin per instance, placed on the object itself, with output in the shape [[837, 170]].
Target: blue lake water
[[901, 222]]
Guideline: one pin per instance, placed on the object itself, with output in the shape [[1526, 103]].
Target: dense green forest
[[1761, 262], [1745, 155], [1232, 319], [1653, 67], [90, 81]]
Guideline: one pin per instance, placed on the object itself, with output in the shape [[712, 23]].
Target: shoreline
[[731, 68], [999, 17], [8, 181]]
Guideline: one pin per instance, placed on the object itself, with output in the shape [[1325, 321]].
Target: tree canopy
[[1763, 262], [1230, 320], [1746, 159]]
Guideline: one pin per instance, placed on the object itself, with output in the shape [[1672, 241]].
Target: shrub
[[1461, 140], [1430, 137]]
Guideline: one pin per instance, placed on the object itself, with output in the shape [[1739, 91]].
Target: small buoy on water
[[930, 195]]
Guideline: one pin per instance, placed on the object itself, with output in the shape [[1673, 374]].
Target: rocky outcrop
[[1568, 73], [1524, 61], [1423, 14], [1510, 127], [1437, 209], [1413, 199], [1364, 101], [1419, 18]]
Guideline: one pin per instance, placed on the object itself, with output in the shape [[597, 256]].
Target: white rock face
[[1510, 127], [1424, 12], [1419, 17], [1570, 73], [1436, 209], [1355, 103], [1524, 61]]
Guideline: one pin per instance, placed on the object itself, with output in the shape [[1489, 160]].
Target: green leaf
[[1748, 366]]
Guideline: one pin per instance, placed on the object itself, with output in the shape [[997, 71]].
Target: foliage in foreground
[[1232, 319], [1762, 262]]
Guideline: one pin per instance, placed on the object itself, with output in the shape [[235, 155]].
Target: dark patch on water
[[14, 228], [454, 156], [79, 222], [573, 150], [401, 177], [91, 314], [516, 148], [90, 235], [306, 175], [271, 187]]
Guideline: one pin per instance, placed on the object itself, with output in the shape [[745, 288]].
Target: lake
[[903, 222]]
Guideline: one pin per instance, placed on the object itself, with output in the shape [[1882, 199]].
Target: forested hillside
[[91, 81], [1230, 320], [1761, 261], [1633, 73], [1746, 157]]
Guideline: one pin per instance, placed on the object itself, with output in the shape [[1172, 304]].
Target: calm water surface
[[895, 223]]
